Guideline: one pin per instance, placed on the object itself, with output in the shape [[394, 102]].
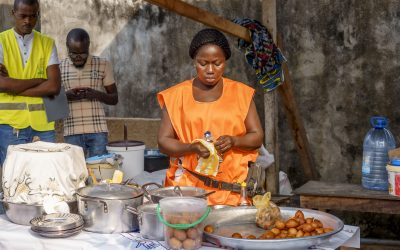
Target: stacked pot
[[105, 207]]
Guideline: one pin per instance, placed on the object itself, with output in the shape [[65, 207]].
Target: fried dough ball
[[180, 234], [252, 237], [268, 235], [275, 231], [299, 214], [283, 234], [299, 234], [319, 223], [169, 232], [174, 243], [237, 235], [183, 221], [292, 223], [209, 229], [301, 221], [280, 224], [189, 244], [308, 228], [192, 233], [292, 231]]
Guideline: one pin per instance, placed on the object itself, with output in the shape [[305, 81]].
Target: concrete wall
[[344, 61]]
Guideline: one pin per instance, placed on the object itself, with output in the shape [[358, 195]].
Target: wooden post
[[271, 107]]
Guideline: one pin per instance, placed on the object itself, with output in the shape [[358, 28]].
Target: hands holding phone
[[82, 93]]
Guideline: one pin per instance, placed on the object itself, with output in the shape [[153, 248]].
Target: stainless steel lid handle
[[131, 209], [146, 192], [178, 191], [105, 206]]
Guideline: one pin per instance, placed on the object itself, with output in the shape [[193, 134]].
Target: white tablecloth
[[17, 237]]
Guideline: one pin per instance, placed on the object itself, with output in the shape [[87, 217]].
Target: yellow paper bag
[[210, 165]]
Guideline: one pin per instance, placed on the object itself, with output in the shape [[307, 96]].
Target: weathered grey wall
[[147, 45], [344, 62], [5, 12]]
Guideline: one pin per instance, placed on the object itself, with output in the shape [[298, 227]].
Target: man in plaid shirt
[[85, 77]]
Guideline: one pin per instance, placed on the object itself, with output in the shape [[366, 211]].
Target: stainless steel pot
[[150, 226], [155, 195], [104, 207], [20, 213]]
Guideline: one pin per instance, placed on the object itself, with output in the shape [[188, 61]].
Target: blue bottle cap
[[395, 162], [379, 121]]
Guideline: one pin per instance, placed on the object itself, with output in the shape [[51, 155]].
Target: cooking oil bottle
[[243, 195]]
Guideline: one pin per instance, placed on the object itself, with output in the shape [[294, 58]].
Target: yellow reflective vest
[[23, 111]]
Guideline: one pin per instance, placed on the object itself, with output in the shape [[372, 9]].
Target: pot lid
[[172, 192], [110, 192], [125, 143]]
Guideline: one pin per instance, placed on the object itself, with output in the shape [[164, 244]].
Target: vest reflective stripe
[[21, 106], [18, 116], [13, 106], [36, 107]]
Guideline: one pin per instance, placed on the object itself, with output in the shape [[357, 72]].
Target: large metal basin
[[20, 213], [227, 221]]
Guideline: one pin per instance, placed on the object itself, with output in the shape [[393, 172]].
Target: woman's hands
[[200, 150], [222, 145], [225, 143]]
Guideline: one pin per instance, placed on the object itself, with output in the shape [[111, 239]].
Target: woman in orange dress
[[209, 102]]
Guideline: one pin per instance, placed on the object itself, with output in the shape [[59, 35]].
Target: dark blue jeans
[[11, 136], [93, 143]]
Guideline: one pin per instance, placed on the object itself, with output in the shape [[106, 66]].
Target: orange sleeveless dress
[[225, 116]]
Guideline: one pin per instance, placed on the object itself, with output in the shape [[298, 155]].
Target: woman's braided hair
[[209, 36]]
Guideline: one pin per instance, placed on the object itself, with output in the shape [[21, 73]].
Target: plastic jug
[[377, 143]]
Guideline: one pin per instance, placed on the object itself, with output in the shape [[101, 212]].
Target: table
[[344, 196]]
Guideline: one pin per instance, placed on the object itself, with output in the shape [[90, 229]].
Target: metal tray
[[227, 221], [56, 222]]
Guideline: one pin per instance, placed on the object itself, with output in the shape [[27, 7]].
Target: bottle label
[[366, 165]]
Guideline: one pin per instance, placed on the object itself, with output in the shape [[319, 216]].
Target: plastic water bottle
[[377, 143]]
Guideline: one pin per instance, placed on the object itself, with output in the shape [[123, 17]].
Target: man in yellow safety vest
[[29, 70]]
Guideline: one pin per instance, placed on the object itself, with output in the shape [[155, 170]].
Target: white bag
[[35, 171], [264, 159], [284, 184]]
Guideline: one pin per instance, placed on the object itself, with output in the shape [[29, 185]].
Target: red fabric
[[397, 184], [224, 116]]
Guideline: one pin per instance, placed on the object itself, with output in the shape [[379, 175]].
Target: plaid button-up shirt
[[86, 116]]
